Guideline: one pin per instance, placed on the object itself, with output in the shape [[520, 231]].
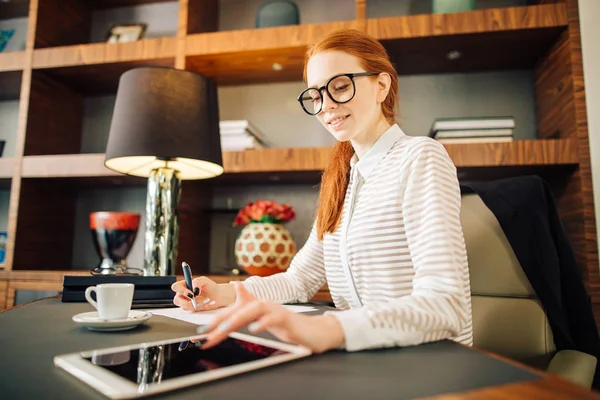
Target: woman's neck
[[363, 142]]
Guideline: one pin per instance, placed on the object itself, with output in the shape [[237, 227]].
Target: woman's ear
[[384, 82]]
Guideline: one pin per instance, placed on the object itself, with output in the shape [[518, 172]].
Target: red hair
[[334, 182]]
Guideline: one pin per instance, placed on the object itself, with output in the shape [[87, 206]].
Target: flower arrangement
[[265, 211]]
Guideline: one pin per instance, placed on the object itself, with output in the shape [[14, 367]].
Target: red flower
[[264, 211]]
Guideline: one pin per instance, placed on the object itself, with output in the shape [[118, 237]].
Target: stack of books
[[473, 130], [238, 135]]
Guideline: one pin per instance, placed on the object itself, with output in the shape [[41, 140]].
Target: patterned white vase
[[264, 249]]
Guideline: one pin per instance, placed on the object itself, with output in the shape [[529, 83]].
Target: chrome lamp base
[[162, 226]]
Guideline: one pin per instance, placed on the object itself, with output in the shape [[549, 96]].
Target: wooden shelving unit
[[478, 155], [59, 68]]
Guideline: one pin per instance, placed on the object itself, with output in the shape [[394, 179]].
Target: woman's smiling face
[[348, 120]]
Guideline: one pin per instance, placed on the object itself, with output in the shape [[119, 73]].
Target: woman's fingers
[[242, 297], [267, 321], [241, 317], [180, 287]]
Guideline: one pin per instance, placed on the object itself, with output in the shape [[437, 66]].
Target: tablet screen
[[154, 364]]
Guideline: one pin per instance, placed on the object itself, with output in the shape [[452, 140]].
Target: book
[[468, 123], [464, 133], [234, 127], [476, 140], [238, 143]]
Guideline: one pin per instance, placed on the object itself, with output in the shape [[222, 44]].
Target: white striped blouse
[[396, 266]]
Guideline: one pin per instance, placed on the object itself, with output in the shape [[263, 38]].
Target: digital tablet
[[148, 368]]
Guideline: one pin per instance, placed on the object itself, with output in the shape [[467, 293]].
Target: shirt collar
[[380, 148]]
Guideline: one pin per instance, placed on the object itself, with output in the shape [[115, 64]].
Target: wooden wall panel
[[587, 194], [360, 9], [561, 112], [203, 16], [62, 23], [554, 92], [3, 293], [194, 226], [567, 191], [14, 9], [46, 224], [55, 117]]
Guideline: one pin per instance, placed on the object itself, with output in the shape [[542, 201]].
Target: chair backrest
[[508, 318]]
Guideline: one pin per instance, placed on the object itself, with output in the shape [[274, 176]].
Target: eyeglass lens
[[341, 90]]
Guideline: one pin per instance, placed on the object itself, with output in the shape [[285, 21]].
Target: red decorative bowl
[[113, 234]]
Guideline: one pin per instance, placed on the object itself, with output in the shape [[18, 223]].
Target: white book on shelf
[[236, 143], [465, 133], [472, 123], [505, 139], [232, 127]]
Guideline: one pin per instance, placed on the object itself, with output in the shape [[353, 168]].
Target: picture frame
[[124, 33]]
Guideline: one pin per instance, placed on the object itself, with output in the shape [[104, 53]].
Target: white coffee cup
[[113, 299]]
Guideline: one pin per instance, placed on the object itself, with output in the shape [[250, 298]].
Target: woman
[[387, 238]]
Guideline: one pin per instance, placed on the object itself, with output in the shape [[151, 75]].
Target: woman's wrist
[[335, 333], [226, 294]]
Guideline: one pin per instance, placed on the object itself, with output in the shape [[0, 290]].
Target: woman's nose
[[328, 103]]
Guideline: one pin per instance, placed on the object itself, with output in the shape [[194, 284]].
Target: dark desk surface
[[33, 334]]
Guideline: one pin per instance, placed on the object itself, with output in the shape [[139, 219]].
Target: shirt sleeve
[[439, 305], [299, 283]]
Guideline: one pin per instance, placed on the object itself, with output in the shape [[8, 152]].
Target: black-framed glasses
[[340, 88]]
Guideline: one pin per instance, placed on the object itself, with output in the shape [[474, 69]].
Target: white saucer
[[94, 323]]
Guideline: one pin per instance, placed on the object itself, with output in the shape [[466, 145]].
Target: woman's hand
[[318, 333], [209, 295]]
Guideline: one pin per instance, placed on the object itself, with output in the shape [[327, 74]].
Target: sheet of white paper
[[204, 317]]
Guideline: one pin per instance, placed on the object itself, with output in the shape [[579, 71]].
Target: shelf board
[[519, 153], [246, 56], [7, 165], [12, 61], [96, 68], [305, 164], [10, 85], [84, 169], [14, 9], [500, 38], [492, 39]]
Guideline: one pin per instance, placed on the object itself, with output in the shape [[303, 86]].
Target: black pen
[[187, 273]]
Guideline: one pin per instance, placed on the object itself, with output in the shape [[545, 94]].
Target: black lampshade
[[165, 116]]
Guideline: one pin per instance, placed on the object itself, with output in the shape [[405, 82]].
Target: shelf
[[513, 37], [305, 164], [246, 56], [7, 165], [12, 61], [14, 9], [501, 38], [96, 68], [84, 169], [522, 153], [10, 85]]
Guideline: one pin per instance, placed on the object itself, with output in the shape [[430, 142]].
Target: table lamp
[[165, 127]]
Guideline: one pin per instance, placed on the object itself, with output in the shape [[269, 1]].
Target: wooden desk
[[33, 333]]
